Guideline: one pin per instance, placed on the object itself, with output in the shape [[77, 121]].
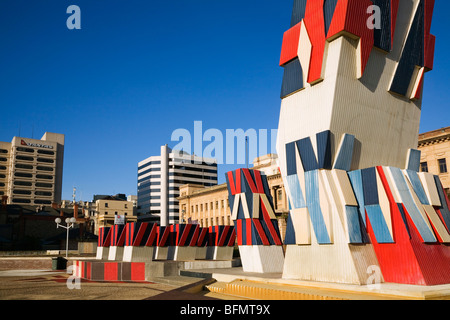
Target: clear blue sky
[[139, 69]]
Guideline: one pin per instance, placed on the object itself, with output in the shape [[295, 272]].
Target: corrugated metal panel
[[417, 186], [328, 8], [296, 196], [353, 223], [324, 149], [369, 180], [413, 160], [356, 181], [292, 78], [291, 163], [378, 224], [289, 48], [414, 212], [298, 12], [344, 156], [438, 226], [313, 204], [315, 25], [307, 154], [382, 36], [289, 237], [412, 56], [444, 208], [301, 223], [351, 16]]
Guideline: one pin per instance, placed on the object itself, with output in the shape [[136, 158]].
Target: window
[[424, 167], [51, 153], [126, 206], [44, 168], [42, 202], [21, 200], [21, 192], [43, 193], [442, 166], [23, 175], [43, 176], [24, 166], [43, 185], [45, 160], [280, 195], [22, 183], [24, 158], [3, 159], [25, 150], [106, 204]]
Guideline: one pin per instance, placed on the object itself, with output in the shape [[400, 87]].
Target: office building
[[31, 171], [159, 180]]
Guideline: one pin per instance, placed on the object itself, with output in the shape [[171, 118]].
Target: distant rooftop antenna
[[74, 194]]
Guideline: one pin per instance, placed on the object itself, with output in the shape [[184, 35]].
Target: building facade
[[160, 178], [110, 210], [31, 171], [435, 154]]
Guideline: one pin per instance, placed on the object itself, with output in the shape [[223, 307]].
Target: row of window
[[29, 184], [36, 193], [30, 167], [28, 201], [211, 205], [442, 163], [30, 175], [116, 213], [25, 158], [28, 150], [148, 164]]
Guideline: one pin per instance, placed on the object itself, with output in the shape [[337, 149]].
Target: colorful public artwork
[[347, 139]]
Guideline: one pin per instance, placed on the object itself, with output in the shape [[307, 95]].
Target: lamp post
[[70, 224]]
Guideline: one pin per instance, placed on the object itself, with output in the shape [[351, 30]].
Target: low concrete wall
[[20, 263]]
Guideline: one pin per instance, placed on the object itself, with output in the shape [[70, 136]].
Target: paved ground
[[51, 285]]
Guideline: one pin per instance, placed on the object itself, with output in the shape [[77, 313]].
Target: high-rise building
[[31, 171], [159, 180]]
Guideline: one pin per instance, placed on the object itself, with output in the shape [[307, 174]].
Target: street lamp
[[70, 224]]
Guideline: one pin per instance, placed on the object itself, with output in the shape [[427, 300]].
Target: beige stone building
[[435, 157], [209, 206], [31, 171], [109, 209]]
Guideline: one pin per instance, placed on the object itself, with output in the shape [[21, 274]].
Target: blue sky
[[139, 69]]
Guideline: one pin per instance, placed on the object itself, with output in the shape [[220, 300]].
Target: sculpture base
[[138, 254], [102, 253], [115, 254], [262, 259]]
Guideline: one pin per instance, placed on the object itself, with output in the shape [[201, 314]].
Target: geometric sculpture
[[162, 243], [117, 242], [258, 236], [104, 241], [202, 242], [348, 130], [221, 240], [185, 238], [140, 240]]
